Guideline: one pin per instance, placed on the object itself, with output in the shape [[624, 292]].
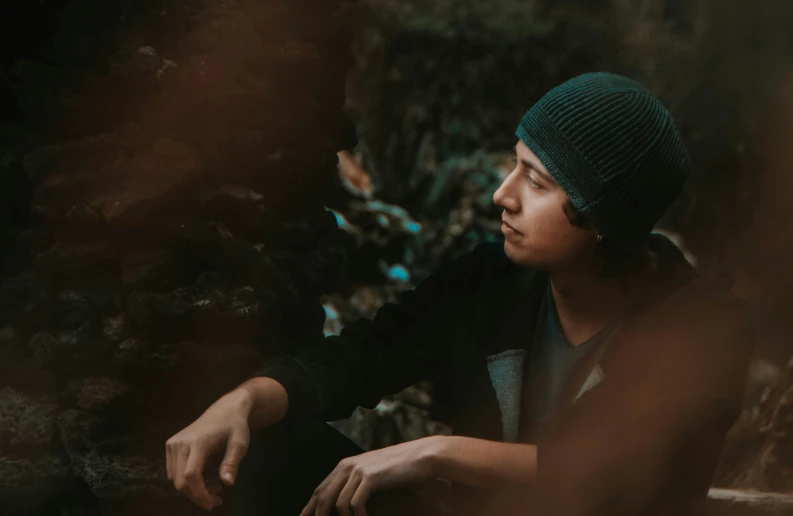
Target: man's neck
[[585, 301]]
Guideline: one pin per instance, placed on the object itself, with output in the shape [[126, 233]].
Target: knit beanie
[[614, 149]]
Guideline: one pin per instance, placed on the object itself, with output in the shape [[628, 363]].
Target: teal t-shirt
[[531, 383], [554, 362]]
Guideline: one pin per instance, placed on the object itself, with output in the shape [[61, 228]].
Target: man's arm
[[484, 464], [405, 342], [502, 468]]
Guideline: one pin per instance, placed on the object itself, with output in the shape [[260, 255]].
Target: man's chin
[[520, 255], [514, 253]]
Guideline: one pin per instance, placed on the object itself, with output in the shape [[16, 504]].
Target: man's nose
[[505, 196]]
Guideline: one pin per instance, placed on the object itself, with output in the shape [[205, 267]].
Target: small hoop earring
[[600, 238]]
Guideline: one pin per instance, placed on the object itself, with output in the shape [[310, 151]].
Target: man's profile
[[593, 369]]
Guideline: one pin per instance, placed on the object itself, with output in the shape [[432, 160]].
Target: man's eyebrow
[[535, 167]]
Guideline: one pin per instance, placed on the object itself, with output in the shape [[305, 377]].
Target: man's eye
[[532, 182]]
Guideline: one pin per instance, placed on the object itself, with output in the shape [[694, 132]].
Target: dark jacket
[[647, 436]]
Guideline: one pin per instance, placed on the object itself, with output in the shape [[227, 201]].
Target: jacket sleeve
[[407, 341], [658, 419]]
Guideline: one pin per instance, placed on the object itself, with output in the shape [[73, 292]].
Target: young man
[[592, 370]]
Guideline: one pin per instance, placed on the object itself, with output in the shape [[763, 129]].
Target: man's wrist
[[246, 398], [436, 452], [265, 401]]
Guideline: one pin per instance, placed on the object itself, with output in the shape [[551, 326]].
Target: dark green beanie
[[613, 147]]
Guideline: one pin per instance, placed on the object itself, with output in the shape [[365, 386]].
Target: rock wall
[[162, 162], [759, 452]]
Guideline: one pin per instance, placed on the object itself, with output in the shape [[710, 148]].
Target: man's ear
[[575, 217]]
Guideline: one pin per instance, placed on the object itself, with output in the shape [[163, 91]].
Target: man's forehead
[[522, 148]]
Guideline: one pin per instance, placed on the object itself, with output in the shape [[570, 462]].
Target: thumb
[[236, 449]]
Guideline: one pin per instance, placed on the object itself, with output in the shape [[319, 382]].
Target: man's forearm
[[266, 401], [481, 463]]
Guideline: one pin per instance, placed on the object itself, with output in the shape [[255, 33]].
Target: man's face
[[537, 230]]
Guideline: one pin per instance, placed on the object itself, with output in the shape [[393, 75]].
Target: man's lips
[[510, 226]]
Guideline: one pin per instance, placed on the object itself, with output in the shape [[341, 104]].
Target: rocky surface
[[733, 502], [163, 232], [759, 452]]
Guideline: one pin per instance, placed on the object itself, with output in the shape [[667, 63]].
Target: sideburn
[[616, 261]]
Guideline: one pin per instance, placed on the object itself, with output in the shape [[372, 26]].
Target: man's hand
[[224, 425], [356, 479]]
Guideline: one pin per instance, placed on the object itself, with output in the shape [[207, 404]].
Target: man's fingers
[[325, 498], [214, 490], [311, 506], [194, 475], [362, 494], [168, 461], [179, 455], [236, 448], [345, 496], [216, 500]]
